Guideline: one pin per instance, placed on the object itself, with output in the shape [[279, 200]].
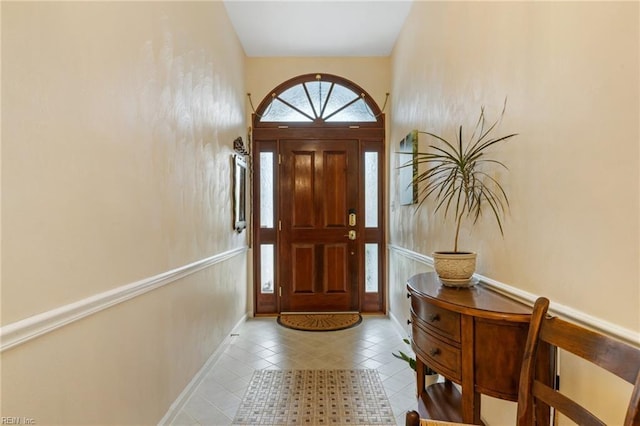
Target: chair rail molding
[[22, 331], [567, 312]]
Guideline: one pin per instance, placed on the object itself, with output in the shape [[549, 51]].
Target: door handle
[[351, 235]]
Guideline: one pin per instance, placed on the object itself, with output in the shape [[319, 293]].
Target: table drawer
[[444, 322], [440, 356]]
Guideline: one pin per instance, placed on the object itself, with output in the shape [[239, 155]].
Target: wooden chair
[[612, 355]]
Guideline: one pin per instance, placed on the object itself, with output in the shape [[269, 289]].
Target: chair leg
[[412, 418]]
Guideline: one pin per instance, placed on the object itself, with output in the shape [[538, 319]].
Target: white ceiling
[[317, 28]]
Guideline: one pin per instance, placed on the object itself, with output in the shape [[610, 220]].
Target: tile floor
[[261, 343]]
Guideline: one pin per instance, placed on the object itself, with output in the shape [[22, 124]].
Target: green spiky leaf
[[454, 174]]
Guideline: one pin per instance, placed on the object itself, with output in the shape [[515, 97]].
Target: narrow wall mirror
[[239, 193], [408, 169]]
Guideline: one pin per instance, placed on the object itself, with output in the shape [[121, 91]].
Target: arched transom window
[[318, 98]]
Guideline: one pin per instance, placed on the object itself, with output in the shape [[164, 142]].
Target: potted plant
[[431, 375], [458, 180]]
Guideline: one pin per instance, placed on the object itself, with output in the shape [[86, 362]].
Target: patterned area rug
[[315, 397], [319, 322]]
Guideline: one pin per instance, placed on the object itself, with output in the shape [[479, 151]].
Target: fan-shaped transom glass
[[318, 101]]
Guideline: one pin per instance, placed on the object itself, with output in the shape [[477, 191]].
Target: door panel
[[335, 273], [335, 189], [319, 263], [301, 178], [302, 268]]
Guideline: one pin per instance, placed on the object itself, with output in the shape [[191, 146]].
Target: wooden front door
[[317, 156], [319, 259]]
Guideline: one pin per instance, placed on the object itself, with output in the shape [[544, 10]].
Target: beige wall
[[570, 73], [117, 129]]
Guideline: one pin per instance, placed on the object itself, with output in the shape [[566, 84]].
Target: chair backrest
[[610, 354]]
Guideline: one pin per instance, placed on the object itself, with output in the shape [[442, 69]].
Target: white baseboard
[[610, 329], [191, 387], [398, 325]]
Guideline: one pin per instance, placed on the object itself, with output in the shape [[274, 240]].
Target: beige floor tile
[[263, 344]]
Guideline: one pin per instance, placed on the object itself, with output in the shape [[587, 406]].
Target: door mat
[[319, 322], [315, 397]]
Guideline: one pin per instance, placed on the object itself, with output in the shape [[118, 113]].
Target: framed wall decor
[[239, 193], [408, 169]]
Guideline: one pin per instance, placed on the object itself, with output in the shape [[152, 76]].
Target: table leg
[[420, 370]]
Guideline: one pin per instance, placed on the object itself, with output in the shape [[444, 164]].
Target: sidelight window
[[371, 177], [371, 268], [266, 269], [266, 190]]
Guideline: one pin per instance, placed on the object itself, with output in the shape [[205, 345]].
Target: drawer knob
[[434, 352], [408, 295], [408, 322], [434, 318]]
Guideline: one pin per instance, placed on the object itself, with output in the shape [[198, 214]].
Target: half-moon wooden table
[[473, 337]]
